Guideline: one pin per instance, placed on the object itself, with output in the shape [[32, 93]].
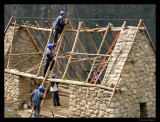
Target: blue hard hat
[[41, 88], [95, 77], [50, 46], [54, 75], [62, 12], [95, 67]]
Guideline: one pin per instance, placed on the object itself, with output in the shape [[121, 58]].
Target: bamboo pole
[[96, 30], [94, 46], [25, 54], [149, 37], [79, 42], [63, 68], [51, 30], [75, 57], [140, 22], [60, 40], [11, 46], [37, 38], [57, 57], [98, 50], [90, 54], [58, 80], [81, 60], [21, 61], [8, 24], [80, 23], [34, 67], [44, 51], [71, 66], [32, 38]]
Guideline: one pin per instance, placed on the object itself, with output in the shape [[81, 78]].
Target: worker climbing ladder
[[56, 52]]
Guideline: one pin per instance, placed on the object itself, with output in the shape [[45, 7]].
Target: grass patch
[[8, 114]]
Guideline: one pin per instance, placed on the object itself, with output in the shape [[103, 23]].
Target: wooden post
[[57, 58], [9, 24], [42, 31], [71, 66], [94, 46], [59, 80], [32, 38], [11, 45], [21, 61], [98, 51], [149, 37], [75, 57], [81, 46], [60, 42], [80, 23], [44, 52], [37, 38]]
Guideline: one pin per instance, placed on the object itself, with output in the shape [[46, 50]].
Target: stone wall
[[136, 95], [17, 89], [7, 43], [22, 43], [88, 102], [138, 80]]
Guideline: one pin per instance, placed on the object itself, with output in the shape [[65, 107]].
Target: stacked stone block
[[136, 82], [22, 43]]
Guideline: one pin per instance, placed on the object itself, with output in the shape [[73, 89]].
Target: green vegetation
[[8, 114]]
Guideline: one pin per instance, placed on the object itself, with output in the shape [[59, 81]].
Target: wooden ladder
[[56, 52]]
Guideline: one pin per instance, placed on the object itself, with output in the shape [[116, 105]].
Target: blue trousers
[[56, 35], [55, 97], [46, 66], [36, 111]]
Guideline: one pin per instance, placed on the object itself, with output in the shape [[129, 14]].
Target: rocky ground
[[48, 110]]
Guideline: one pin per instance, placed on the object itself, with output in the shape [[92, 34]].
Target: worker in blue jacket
[[37, 97], [59, 25], [48, 58], [54, 92]]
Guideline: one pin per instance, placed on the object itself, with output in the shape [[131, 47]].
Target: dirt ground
[[47, 109]]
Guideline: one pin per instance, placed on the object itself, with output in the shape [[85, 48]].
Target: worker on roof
[[48, 58], [94, 70], [54, 92], [59, 25], [37, 97]]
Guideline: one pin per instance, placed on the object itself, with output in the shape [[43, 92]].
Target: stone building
[[130, 74]]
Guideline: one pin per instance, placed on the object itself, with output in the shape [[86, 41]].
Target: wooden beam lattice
[[107, 28]]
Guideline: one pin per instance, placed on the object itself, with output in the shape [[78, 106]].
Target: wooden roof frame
[[68, 55], [80, 29]]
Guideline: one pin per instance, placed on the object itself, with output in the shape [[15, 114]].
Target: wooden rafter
[[80, 23], [32, 38], [65, 58], [107, 28], [37, 38], [96, 30], [11, 46]]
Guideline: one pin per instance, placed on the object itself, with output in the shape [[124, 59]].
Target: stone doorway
[[143, 110]]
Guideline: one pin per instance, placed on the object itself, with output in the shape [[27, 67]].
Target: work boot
[[58, 104]]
